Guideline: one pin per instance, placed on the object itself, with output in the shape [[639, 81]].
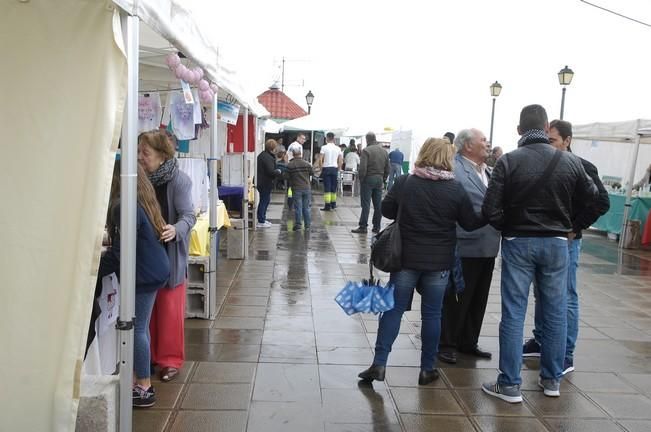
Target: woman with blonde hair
[[428, 205], [173, 193], [152, 273]]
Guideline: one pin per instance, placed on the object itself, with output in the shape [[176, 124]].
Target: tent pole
[[245, 200], [214, 197], [312, 149], [629, 185], [128, 193]]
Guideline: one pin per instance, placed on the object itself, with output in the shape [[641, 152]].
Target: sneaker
[[510, 394], [531, 348], [551, 387], [568, 366], [265, 224], [143, 398]]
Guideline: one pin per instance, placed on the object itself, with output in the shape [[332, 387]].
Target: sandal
[[167, 374]]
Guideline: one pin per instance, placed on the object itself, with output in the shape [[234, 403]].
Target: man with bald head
[[462, 319]]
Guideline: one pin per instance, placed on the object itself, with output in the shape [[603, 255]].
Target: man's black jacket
[[547, 212]]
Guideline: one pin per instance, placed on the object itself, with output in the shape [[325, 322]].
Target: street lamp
[[309, 98], [564, 78], [496, 89]]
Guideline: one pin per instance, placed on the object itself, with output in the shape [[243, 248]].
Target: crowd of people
[[535, 202]]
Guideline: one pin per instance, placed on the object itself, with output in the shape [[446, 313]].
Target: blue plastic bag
[[362, 297]]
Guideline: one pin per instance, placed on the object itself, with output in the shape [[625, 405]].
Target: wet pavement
[[282, 356]]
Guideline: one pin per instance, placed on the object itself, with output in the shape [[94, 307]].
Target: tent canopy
[[315, 123], [170, 26], [623, 131]]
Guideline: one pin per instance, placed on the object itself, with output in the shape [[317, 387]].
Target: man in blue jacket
[[396, 158], [462, 320]]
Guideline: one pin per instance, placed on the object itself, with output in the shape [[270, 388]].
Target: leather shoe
[[449, 357], [477, 352], [359, 231], [375, 372], [167, 374], [427, 377]]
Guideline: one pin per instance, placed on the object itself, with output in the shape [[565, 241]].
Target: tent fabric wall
[[63, 99]]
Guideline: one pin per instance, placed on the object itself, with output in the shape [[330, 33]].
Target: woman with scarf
[[429, 204], [173, 191]]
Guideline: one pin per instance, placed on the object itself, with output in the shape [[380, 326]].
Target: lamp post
[[496, 89], [309, 98], [565, 76]]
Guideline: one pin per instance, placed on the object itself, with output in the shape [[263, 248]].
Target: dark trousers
[[265, 199], [461, 320], [371, 191]]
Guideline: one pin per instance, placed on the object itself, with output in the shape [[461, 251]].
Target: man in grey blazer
[[461, 321]]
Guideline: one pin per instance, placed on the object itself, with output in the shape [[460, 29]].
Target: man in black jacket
[[530, 198], [560, 136], [265, 176]]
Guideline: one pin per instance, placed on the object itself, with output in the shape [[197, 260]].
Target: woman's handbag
[[386, 250]]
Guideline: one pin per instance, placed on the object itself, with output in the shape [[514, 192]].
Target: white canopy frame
[[636, 131]]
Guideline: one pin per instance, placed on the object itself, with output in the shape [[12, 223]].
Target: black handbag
[[386, 250]]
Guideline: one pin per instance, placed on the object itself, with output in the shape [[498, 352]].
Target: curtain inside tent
[[63, 92]]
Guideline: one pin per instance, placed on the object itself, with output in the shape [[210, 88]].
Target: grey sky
[[429, 65]]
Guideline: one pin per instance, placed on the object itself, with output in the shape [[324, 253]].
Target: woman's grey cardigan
[[181, 212]]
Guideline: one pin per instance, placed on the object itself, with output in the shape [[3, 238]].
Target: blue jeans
[[396, 171], [574, 249], [432, 285], [542, 260], [141, 339], [302, 204], [265, 199], [371, 190]]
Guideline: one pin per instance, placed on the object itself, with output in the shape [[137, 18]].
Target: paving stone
[[150, 420], [624, 405], [217, 397], [209, 421]]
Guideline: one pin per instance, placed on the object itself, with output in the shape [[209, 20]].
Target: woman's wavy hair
[[146, 199], [436, 153], [160, 141]]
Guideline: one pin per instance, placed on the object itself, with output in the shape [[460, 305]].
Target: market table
[[232, 197], [200, 236], [611, 222]]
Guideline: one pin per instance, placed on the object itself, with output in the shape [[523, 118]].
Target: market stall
[[60, 136]]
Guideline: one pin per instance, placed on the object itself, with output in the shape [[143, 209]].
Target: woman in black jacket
[[429, 204]]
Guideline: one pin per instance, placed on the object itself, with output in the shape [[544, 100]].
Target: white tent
[[614, 148], [314, 122], [60, 134]]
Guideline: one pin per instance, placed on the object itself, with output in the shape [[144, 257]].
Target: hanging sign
[[187, 93], [227, 112]]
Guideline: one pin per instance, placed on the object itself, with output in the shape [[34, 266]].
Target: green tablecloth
[[612, 221]]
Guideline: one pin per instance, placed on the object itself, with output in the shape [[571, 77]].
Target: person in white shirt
[[332, 158], [296, 145], [352, 161]]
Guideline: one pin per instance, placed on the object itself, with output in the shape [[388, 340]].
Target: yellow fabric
[[63, 94], [200, 236], [289, 193]]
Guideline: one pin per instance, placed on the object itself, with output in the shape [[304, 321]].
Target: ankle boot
[[375, 372], [426, 377]]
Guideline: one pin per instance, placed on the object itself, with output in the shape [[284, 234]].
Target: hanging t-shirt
[[182, 117], [331, 154], [149, 112]]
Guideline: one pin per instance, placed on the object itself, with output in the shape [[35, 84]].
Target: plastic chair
[[347, 178]]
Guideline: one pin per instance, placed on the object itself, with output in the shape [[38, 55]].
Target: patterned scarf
[[533, 136], [164, 173], [432, 173]]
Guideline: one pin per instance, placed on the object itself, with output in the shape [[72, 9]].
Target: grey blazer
[[181, 211], [484, 242]]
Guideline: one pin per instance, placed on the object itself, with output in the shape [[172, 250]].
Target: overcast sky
[[429, 65]]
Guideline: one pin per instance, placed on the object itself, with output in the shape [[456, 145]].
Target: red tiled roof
[[280, 105]]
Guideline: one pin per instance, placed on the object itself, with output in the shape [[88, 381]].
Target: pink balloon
[[187, 75], [214, 87], [199, 72], [173, 60], [180, 70], [196, 77], [203, 85]]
